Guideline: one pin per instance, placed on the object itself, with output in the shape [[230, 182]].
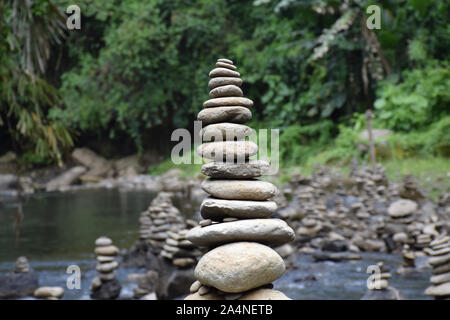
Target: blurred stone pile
[[105, 285], [440, 262], [159, 219], [180, 251], [361, 212], [378, 285]]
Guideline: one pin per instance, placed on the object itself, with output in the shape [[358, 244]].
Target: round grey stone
[[226, 91], [229, 150], [226, 170], [226, 65], [228, 101], [267, 231], [225, 60], [239, 189], [103, 241], [223, 72], [239, 266], [235, 114], [223, 81], [225, 131], [216, 209], [402, 208]]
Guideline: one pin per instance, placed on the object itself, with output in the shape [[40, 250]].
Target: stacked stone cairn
[[159, 219], [440, 262], [240, 264], [378, 286], [408, 262], [105, 285], [22, 265], [180, 251]]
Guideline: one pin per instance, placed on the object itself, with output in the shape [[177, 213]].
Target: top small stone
[[225, 61], [103, 241]]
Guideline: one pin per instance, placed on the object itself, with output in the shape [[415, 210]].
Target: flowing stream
[[59, 230]]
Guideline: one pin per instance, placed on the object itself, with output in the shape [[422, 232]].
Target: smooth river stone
[[103, 242], [107, 267], [235, 114], [216, 209], [225, 60], [105, 258], [225, 131], [228, 101], [229, 150], [246, 170], [239, 266], [107, 251], [265, 294], [441, 278], [437, 291], [223, 72], [268, 231], [239, 189], [226, 91], [223, 81], [226, 65], [439, 259]]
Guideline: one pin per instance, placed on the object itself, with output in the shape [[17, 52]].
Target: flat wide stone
[[267, 231], [225, 131], [402, 208], [239, 189], [215, 209], [227, 170], [226, 91], [225, 65], [223, 72], [228, 101], [228, 150], [239, 266], [107, 251], [439, 290], [434, 261], [235, 114], [103, 241], [223, 81], [441, 278]]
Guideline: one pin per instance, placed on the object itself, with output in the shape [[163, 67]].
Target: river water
[[59, 230]]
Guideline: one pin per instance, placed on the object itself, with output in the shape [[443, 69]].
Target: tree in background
[[29, 31]]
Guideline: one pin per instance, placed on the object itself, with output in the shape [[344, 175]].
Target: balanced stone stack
[[180, 251], [378, 286], [160, 218], [105, 285], [240, 262], [408, 263], [440, 262], [22, 265]]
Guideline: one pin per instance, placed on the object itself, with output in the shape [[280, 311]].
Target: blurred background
[[112, 92]]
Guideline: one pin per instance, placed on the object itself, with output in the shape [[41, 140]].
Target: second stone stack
[[240, 264]]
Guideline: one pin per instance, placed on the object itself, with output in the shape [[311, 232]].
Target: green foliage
[[422, 97]]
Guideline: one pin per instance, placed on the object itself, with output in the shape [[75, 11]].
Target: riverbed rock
[[17, 285], [212, 208], [225, 131], [402, 208], [173, 282], [239, 189], [227, 170], [228, 101], [49, 292], [239, 266], [229, 150], [234, 114], [268, 231], [107, 291], [65, 179], [226, 91]]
